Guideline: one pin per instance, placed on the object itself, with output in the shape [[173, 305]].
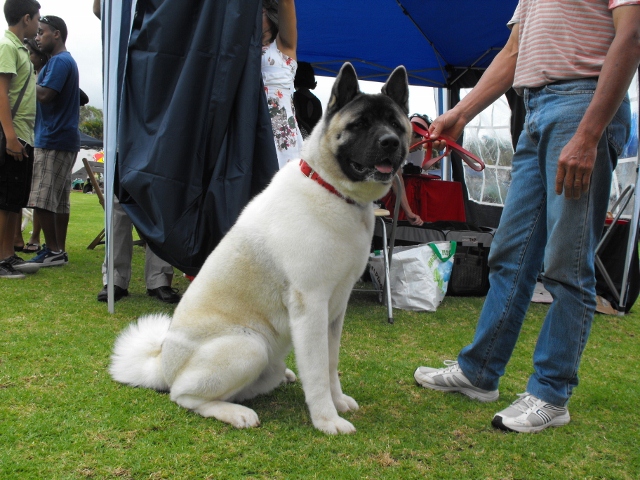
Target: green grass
[[61, 416]]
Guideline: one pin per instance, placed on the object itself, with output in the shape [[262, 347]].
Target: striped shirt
[[562, 40]]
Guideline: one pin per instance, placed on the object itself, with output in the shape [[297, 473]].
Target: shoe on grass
[[31, 248], [165, 294], [7, 271], [451, 379], [46, 258], [529, 414], [19, 264], [118, 293]]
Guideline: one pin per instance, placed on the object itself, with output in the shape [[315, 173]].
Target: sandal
[[31, 248]]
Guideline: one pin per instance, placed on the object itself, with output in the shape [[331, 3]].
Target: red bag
[[433, 200]]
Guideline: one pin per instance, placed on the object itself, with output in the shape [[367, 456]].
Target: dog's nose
[[389, 142]]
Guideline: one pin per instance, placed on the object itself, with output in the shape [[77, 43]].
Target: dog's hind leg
[[216, 372], [227, 412]]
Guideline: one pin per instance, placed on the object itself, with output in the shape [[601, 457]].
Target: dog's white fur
[[282, 276]]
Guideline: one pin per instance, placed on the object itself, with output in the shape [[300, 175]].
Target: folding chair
[[621, 294], [387, 251], [96, 188], [99, 240]]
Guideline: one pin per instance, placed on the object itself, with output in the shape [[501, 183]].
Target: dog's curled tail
[[137, 359]]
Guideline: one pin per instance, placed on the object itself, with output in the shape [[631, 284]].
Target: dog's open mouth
[[385, 166], [381, 169]]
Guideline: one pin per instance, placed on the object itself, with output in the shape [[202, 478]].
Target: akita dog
[[282, 276]]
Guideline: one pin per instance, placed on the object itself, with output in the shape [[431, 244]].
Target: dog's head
[[365, 136]]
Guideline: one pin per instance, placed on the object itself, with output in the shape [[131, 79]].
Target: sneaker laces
[[525, 402], [7, 265], [451, 366]]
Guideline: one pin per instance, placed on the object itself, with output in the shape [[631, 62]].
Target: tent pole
[[633, 228], [111, 30], [442, 104]]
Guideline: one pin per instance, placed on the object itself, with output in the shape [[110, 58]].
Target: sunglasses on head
[[50, 21]]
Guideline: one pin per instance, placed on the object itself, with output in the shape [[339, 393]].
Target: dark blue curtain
[[194, 135]]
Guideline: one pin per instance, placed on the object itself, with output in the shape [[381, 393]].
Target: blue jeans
[[540, 228]]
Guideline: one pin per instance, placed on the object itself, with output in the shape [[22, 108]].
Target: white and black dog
[[283, 274]]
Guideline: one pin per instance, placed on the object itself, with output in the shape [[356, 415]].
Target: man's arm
[[621, 62], [14, 147], [495, 81], [45, 94]]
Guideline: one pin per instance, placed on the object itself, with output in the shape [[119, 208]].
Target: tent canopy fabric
[[431, 38], [87, 141]]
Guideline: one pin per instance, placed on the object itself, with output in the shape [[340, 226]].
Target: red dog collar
[[309, 172]]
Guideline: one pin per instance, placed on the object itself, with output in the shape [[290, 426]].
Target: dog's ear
[[344, 89], [397, 87]]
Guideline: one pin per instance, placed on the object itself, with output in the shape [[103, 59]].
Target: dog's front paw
[[289, 376], [334, 426], [345, 404]]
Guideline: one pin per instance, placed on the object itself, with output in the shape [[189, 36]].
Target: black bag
[[3, 147], [470, 273]]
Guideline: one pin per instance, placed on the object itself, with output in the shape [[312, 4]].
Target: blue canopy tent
[[431, 38], [445, 45], [435, 40]]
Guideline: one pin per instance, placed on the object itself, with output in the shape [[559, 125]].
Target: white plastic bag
[[419, 274]]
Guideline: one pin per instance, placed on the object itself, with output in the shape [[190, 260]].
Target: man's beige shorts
[[51, 181]]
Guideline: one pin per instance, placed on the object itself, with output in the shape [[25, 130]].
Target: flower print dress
[[278, 72]]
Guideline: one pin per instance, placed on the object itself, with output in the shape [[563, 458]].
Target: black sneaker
[[7, 271], [19, 264], [46, 258]]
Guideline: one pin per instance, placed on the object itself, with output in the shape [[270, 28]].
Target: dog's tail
[[137, 359]]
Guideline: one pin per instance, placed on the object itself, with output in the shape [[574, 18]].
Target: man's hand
[[16, 150], [450, 123], [575, 165]]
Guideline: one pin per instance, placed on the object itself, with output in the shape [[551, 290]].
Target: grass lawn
[[61, 415]]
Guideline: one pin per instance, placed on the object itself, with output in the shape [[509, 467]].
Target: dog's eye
[[362, 123]]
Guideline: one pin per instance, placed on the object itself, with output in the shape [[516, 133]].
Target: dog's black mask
[[376, 128]]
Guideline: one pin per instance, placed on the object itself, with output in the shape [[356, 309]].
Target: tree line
[[91, 121]]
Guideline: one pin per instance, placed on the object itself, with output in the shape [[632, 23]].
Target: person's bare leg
[[7, 233], [62, 225], [48, 224], [18, 241], [34, 239]]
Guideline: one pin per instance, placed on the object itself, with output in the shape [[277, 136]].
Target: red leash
[[469, 158]]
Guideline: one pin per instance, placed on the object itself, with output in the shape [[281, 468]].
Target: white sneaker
[[529, 414], [451, 379]]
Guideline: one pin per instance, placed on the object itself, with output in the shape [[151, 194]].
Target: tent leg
[[631, 244]]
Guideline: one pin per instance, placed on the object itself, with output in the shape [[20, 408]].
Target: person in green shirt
[[16, 84]]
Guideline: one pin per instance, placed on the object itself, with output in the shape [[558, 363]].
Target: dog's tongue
[[384, 168]]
